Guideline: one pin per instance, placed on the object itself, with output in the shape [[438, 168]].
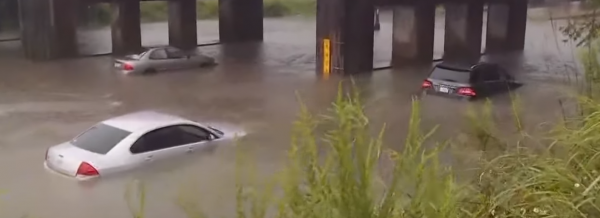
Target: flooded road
[[254, 87]]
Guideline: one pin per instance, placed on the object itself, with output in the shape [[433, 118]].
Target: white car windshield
[[100, 139]]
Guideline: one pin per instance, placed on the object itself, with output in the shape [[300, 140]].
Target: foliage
[[561, 181], [584, 30], [98, 14], [276, 8], [207, 9], [591, 64], [152, 11]]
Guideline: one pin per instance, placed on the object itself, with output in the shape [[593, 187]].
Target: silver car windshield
[[216, 130], [100, 139], [137, 56]]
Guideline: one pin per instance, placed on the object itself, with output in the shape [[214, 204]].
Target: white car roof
[[144, 121]]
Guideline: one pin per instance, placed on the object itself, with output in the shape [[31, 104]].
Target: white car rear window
[[100, 139]]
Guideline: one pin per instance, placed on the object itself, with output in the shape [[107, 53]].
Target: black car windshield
[[452, 75], [100, 139]]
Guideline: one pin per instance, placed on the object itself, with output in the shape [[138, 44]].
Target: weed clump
[[337, 172]]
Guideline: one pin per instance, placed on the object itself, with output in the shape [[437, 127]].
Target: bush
[[153, 11], [98, 14], [208, 9], [276, 8], [560, 181], [205, 9]]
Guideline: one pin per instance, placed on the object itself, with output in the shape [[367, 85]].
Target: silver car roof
[[143, 121]]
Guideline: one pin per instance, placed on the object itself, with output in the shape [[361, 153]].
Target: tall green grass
[[338, 167], [513, 181]]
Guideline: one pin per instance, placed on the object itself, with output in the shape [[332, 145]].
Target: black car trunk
[[447, 86]]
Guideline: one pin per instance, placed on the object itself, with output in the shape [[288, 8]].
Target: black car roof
[[456, 66], [460, 66]]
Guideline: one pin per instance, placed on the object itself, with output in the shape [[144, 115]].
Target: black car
[[468, 81]]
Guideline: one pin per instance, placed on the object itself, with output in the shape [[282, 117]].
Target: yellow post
[[326, 57]]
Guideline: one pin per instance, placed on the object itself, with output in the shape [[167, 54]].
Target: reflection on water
[[254, 86]]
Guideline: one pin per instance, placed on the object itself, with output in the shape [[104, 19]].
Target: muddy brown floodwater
[[254, 86]]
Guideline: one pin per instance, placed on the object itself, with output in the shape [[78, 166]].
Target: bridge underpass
[[344, 29], [345, 37], [49, 26]]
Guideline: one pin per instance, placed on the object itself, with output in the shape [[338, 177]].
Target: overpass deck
[[344, 28]]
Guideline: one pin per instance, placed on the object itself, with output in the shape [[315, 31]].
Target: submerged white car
[[130, 141], [162, 59]]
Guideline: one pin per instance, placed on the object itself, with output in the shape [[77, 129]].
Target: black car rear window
[[100, 139], [448, 74]]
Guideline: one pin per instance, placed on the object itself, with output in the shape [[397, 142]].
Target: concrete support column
[[349, 28], [506, 24], [240, 20], [48, 28], [126, 30], [463, 31], [183, 31], [413, 34]]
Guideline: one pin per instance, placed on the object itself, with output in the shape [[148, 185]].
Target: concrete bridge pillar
[[463, 31], [183, 31], [413, 34], [506, 24], [345, 36], [240, 20], [126, 31], [48, 28]]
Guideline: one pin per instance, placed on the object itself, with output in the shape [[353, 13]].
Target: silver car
[[130, 141], [162, 58]]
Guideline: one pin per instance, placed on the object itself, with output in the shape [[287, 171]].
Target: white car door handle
[[149, 158], [190, 149]]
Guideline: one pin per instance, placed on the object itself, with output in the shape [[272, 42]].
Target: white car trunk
[[66, 158]]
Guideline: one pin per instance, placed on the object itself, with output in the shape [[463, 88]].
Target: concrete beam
[[463, 31], [126, 31], [413, 34], [506, 25], [410, 2], [183, 31], [349, 27], [48, 28], [240, 20], [65, 13]]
